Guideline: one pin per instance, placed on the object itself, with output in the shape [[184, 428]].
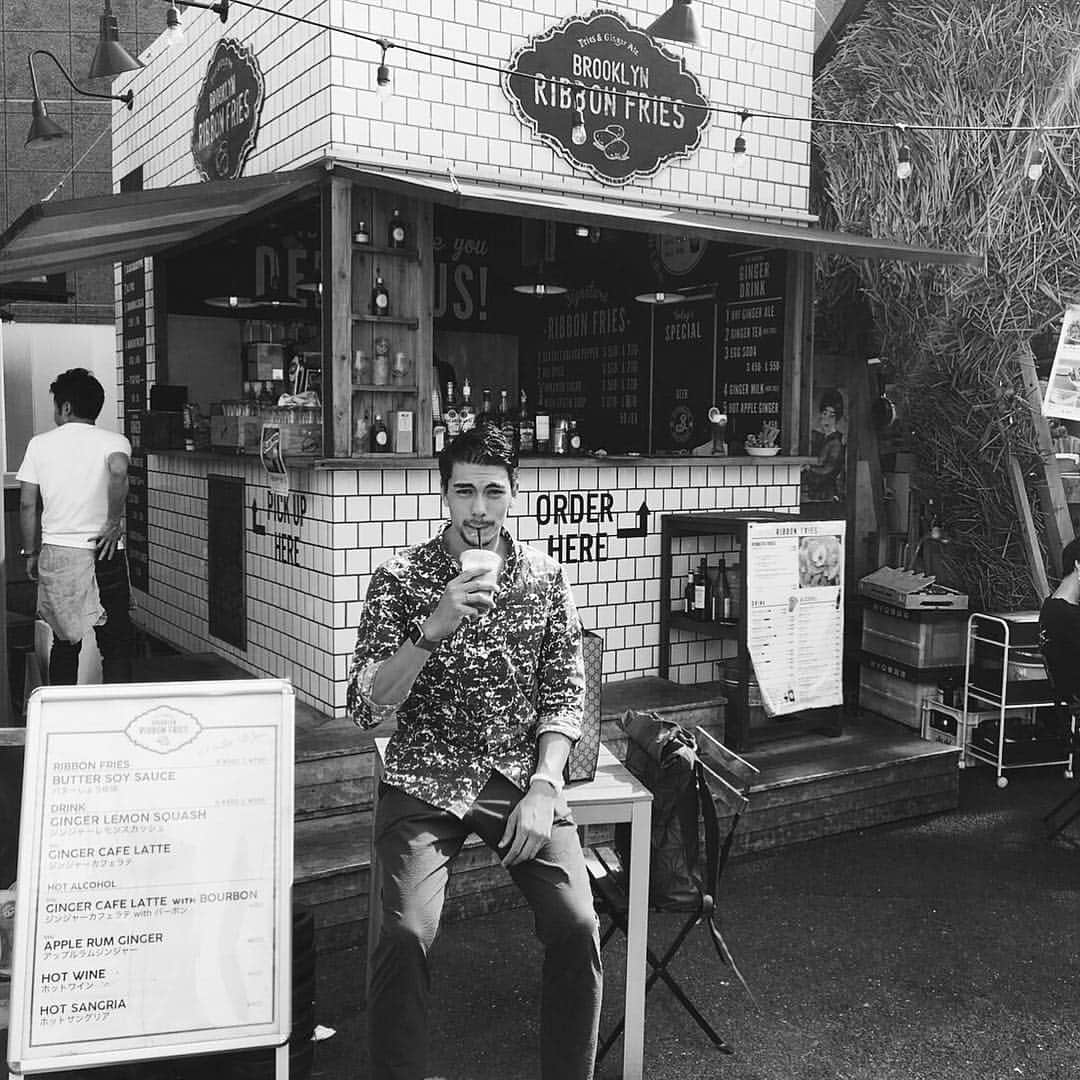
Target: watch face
[[416, 635]]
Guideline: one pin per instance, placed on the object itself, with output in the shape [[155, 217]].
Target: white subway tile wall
[[320, 97], [320, 101], [302, 615]]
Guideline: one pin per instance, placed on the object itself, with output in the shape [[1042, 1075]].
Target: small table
[[613, 795]]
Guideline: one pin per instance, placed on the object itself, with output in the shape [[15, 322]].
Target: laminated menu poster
[[152, 916], [1062, 397], [795, 612]]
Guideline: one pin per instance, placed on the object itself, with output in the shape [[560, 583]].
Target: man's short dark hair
[[81, 391], [1070, 556], [485, 444], [832, 399]]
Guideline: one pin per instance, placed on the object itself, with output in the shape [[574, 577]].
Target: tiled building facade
[[308, 572]]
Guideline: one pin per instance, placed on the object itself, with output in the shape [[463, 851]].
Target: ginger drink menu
[[155, 866]]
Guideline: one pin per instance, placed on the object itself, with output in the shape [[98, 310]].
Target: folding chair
[[1063, 672], [718, 773]]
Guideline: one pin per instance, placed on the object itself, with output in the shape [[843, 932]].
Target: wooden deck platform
[[810, 786]]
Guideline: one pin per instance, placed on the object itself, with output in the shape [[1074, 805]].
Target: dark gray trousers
[[415, 845]]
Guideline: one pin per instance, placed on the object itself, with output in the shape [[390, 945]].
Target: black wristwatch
[[415, 634]]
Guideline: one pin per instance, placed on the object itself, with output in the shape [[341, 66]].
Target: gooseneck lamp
[[110, 57], [42, 127], [678, 23]]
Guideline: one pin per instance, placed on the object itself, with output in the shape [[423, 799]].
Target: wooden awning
[[52, 237], [59, 236], [723, 228]]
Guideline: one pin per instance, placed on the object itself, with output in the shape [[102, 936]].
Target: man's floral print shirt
[[487, 693]]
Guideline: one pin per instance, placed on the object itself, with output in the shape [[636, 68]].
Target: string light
[[174, 27], [384, 89], [740, 159], [578, 134], [1035, 164], [903, 155], [629, 95]]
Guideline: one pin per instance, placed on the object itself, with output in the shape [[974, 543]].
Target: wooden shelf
[[391, 253], [714, 628], [385, 388], [387, 320], [388, 456]]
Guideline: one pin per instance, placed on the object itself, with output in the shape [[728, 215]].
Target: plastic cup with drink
[[485, 560]]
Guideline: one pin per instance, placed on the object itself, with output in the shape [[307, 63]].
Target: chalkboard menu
[[683, 347], [752, 346], [133, 345]]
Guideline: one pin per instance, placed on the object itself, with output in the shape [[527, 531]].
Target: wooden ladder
[[1059, 526]]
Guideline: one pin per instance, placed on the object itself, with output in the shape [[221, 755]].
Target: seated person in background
[[1059, 626], [1059, 619]]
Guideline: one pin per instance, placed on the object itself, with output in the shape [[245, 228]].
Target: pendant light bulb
[[174, 27], [1036, 164], [384, 87], [903, 154], [740, 159], [578, 134]]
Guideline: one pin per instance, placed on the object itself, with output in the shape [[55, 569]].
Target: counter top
[[407, 461]]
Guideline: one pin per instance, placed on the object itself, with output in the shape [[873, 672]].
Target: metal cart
[[1000, 650]]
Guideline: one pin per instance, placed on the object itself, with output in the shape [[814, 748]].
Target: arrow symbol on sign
[[642, 525], [256, 528]]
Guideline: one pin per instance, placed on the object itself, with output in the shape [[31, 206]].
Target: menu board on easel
[[155, 871], [795, 613]]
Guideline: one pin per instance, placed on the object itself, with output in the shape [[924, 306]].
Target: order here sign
[[153, 915]]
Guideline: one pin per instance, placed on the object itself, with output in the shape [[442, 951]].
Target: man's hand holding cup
[[469, 595]]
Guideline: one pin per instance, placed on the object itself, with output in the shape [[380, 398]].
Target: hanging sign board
[[795, 629], [155, 868], [1062, 397], [227, 111], [607, 97]]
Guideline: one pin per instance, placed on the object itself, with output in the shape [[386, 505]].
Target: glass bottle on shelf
[[451, 416], [380, 295], [397, 232], [380, 436], [486, 411], [361, 372], [722, 605], [506, 420], [467, 412], [701, 592], [688, 593], [438, 435], [361, 435], [559, 436], [573, 438], [361, 234], [380, 367], [526, 430], [542, 423]]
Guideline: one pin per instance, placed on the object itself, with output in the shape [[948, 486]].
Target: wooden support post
[[1059, 527], [337, 316], [1036, 568]]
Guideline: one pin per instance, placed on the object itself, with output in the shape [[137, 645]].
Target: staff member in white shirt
[[74, 480]]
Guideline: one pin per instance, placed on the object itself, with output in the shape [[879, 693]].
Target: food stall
[[547, 211]]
